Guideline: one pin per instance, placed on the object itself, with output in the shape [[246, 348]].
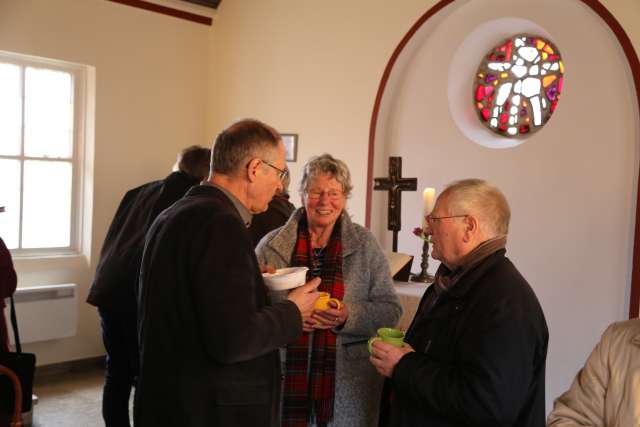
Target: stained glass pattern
[[518, 85]]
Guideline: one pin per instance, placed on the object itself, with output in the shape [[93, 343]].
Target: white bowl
[[285, 278]]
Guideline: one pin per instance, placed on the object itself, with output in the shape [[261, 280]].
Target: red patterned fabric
[[308, 394]]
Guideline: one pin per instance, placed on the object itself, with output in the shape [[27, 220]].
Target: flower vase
[[424, 276]]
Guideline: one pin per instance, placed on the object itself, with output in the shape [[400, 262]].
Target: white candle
[[428, 197]]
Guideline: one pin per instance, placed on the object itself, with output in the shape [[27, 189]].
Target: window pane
[[10, 109], [47, 204], [48, 113], [10, 199]]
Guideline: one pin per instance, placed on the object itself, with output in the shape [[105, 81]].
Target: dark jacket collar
[[179, 175], [242, 210], [470, 277], [211, 191]]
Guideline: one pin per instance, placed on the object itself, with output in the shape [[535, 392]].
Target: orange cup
[[322, 303]]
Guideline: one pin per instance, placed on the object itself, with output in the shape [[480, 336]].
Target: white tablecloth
[[409, 294]]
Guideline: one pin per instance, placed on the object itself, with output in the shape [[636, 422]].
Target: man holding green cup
[[392, 336], [476, 350]]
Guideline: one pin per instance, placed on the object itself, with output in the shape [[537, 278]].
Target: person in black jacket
[[276, 215], [208, 335], [476, 350], [114, 285], [8, 283]]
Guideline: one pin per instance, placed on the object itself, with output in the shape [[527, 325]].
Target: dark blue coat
[[116, 276], [480, 356], [208, 337]]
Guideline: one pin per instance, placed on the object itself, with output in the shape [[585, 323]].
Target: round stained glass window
[[518, 85]]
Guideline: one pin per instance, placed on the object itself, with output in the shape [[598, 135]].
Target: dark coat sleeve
[[236, 323], [121, 214], [8, 278], [488, 381], [486, 387], [116, 277]]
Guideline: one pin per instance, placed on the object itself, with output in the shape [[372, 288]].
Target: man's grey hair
[[326, 164], [481, 199], [242, 141]]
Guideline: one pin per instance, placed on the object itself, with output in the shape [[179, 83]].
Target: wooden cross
[[395, 185]]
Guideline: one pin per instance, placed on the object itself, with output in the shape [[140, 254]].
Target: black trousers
[[120, 337]]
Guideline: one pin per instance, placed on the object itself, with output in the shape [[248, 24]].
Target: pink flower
[[421, 233]]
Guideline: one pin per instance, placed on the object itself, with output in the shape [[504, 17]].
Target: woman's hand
[[331, 318]]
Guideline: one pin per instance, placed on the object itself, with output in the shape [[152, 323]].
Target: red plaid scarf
[[307, 393]]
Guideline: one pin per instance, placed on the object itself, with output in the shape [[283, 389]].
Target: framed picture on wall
[[290, 141]]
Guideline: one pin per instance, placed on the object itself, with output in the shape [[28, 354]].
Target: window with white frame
[[41, 116]]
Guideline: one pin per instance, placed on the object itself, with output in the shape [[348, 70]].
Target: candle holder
[[424, 276]]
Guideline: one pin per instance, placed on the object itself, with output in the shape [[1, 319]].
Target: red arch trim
[[634, 65]]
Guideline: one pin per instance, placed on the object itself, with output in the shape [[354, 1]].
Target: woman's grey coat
[[372, 304]]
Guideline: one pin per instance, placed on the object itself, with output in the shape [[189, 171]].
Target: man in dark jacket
[[114, 285], [475, 353], [208, 335], [276, 215]]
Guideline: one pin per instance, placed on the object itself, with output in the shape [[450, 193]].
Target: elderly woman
[[328, 379]]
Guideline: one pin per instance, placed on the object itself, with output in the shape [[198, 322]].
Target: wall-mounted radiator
[[45, 312]]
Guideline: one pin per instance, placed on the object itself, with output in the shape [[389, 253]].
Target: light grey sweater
[[372, 304]]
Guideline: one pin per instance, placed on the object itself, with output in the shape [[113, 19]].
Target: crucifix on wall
[[395, 185]]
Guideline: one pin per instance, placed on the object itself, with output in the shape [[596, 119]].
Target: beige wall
[[308, 68], [151, 76], [162, 83], [314, 69]]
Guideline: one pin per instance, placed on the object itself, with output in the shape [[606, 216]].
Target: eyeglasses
[[331, 194], [282, 173], [431, 219]]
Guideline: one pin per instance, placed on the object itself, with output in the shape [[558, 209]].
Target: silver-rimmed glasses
[[282, 173]]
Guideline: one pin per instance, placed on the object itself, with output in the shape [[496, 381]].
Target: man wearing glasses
[[476, 350], [208, 337]]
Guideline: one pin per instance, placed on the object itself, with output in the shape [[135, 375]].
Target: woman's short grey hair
[[326, 164], [478, 197]]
